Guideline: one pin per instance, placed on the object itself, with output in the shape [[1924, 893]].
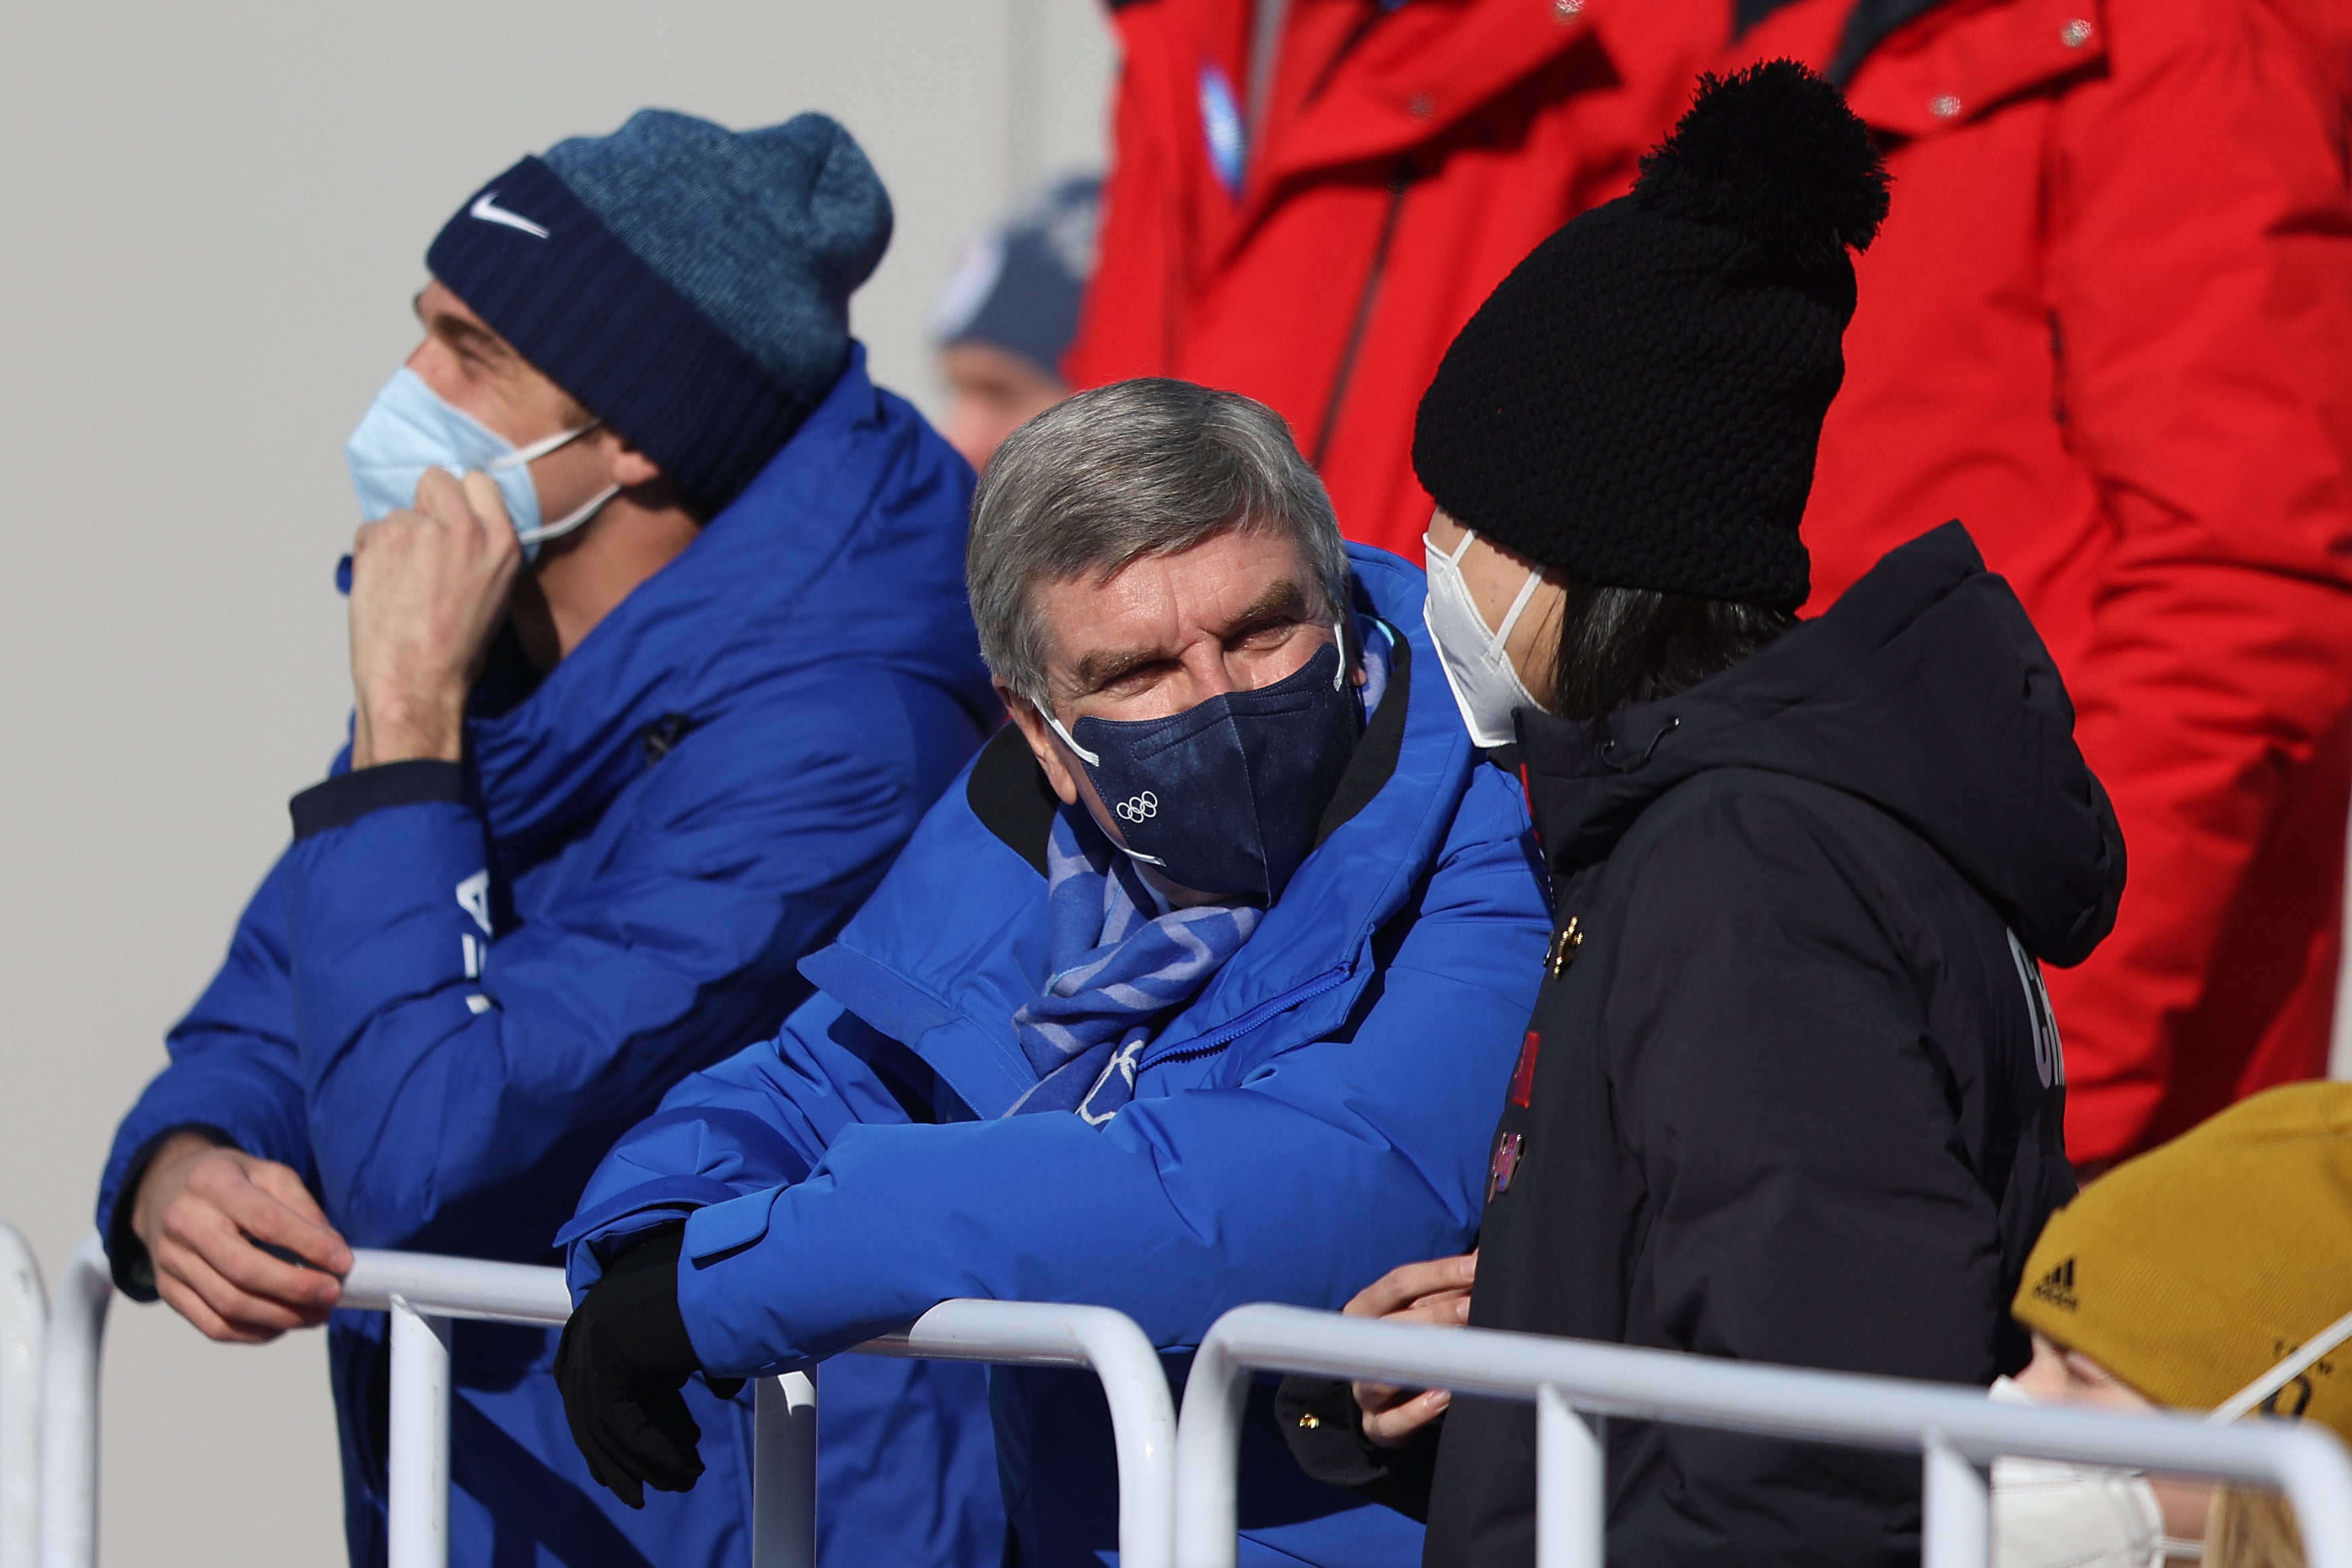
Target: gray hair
[[1137, 469]]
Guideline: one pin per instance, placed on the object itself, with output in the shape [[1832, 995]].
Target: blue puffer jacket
[[1317, 1116], [458, 987]]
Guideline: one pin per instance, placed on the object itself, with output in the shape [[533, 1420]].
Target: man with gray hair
[[1197, 990]]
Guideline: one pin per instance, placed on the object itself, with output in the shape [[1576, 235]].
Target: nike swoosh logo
[[486, 208]]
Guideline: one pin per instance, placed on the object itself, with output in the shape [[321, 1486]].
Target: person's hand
[[1437, 1291], [202, 1211], [428, 587], [621, 1364]]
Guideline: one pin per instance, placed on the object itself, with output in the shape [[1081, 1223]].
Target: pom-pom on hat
[[688, 283], [1638, 404]]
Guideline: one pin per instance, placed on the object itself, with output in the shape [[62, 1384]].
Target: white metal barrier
[[68, 1460], [24, 1325], [422, 1293], [1177, 1482], [1954, 1430]]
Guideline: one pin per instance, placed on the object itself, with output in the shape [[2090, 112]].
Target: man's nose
[[1213, 676]]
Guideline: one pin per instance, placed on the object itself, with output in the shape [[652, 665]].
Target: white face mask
[[2048, 1513], [1486, 687]]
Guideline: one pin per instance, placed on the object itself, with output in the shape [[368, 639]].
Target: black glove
[[621, 1364]]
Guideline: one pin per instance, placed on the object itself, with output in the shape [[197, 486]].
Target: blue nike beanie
[[688, 284]]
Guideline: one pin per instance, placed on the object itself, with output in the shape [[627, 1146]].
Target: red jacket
[[1408, 160], [2109, 324]]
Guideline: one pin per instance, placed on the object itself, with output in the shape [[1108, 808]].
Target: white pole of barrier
[[1142, 1416], [417, 1516], [783, 1472], [24, 1325], [423, 1293], [2306, 1462], [1572, 1477], [70, 1410], [1956, 1519]]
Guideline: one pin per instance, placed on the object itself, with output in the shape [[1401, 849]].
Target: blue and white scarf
[[1119, 975]]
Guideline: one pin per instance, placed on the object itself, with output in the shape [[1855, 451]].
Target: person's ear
[[1042, 743], [626, 464]]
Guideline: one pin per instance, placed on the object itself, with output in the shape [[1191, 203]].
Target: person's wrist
[[409, 728], [163, 1176]]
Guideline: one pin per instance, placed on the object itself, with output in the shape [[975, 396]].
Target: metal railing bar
[[457, 1287], [68, 1463], [424, 1293], [1143, 1416], [1850, 1408], [24, 1331]]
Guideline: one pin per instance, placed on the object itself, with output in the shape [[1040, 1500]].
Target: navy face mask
[[1225, 797]]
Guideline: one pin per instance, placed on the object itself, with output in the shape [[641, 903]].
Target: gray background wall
[[211, 218]]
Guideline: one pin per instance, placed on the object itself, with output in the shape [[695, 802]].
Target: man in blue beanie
[[659, 651]]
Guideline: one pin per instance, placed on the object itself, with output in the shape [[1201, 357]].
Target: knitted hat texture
[[1017, 287], [1638, 404], [688, 283], [2191, 1270]]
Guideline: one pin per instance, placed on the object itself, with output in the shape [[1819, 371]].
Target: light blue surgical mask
[[411, 428]]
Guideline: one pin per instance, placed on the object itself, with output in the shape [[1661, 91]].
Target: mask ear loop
[[522, 456], [1091, 759], [2251, 1396], [557, 529], [539, 449], [1511, 618], [1501, 635]]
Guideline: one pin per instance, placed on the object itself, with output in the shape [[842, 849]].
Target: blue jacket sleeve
[[1296, 1179], [232, 1071], [760, 1120], [464, 1070]]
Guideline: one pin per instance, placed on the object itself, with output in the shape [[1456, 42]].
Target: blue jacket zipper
[[1217, 1040]]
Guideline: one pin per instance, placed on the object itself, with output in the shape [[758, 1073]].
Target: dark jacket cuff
[[126, 1255], [345, 799], [1325, 1428]]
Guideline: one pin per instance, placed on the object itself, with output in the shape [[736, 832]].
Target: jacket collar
[[955, 940], [847, 545], [1924, 692]]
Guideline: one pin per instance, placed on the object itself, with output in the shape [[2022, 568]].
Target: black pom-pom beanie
[[1638, 404]]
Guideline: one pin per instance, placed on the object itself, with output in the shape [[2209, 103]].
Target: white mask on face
[[1486, 687], [2048, 1513]]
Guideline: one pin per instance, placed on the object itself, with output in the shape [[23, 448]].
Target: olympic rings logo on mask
[[1137, 807]]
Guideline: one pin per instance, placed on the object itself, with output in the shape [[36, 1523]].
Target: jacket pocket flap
[[1957, 63]]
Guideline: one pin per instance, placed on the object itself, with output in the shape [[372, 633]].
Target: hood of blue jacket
[[956, 939], [836, 551]]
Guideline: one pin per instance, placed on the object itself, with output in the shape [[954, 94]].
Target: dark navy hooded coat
[[460, 984], [1316, 1116], [1791, 1091]]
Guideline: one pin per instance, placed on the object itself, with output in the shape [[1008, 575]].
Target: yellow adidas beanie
[[2191, 1270]]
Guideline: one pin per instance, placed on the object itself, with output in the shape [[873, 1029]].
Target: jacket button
[[1564, 944], [1566, 11], [2074, 34], [1943, 106]]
